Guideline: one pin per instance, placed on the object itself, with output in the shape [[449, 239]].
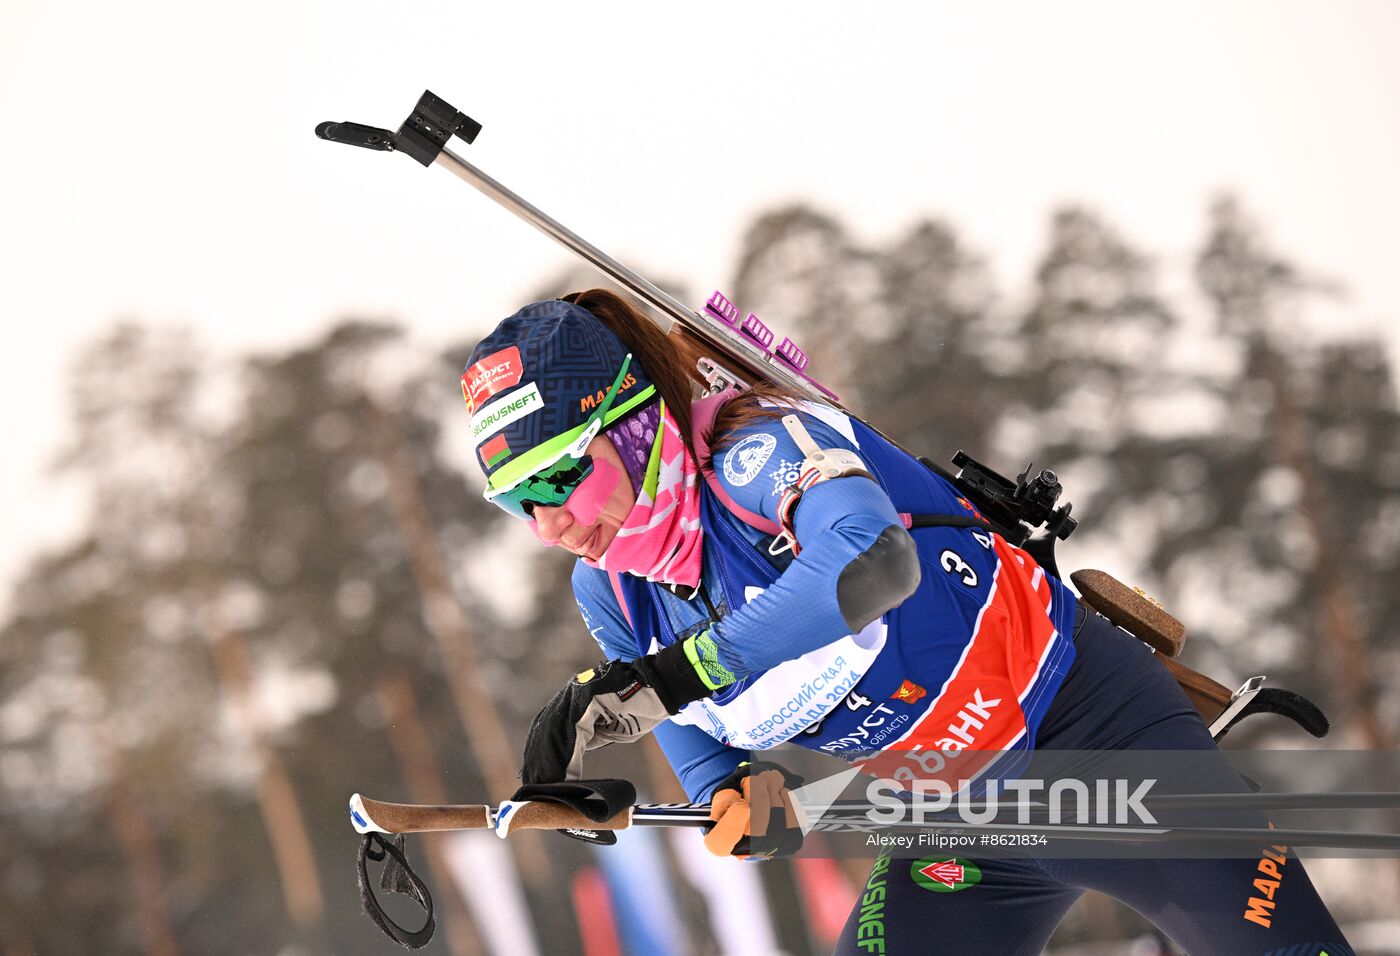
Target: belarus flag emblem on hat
[[494, 450]]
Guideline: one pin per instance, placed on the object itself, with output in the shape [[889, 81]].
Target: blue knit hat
[[540, 375]]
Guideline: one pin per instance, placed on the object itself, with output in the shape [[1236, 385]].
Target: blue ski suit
[[990, 654]]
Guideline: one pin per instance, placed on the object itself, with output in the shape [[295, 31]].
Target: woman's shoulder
[[757, 458]]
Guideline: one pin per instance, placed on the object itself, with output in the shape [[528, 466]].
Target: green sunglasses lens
[[550, 487]]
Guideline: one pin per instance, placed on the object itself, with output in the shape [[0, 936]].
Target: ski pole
[[410, 818], [375, 816]]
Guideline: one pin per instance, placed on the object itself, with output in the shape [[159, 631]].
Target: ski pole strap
[[598, 800], [397, 877]]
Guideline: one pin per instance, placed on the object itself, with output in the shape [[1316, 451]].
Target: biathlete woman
[[746, 567]]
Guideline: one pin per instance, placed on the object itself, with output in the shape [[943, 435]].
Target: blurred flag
[[733, 893], [827, 895], [482, 866], [642, 889], [594, 908]]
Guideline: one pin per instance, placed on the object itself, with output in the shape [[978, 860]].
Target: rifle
[[728, 351]]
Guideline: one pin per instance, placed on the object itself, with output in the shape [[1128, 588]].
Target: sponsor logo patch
[[943, 875], [870, 928], [909, 693], [495, 373], [591, 401], [500, 413], [746, 459], [1259, 908]]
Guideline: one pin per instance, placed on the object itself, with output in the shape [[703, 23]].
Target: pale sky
[[162, 163]]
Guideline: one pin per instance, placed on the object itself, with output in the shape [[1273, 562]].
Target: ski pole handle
[[379, 817], [376, 816]]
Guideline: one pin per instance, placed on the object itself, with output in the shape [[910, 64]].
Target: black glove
[[615, 702], [753, 813]]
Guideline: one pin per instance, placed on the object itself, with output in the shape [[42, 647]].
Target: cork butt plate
[[1131, 610]]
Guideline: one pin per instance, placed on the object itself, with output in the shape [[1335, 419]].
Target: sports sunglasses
[[548, 473]]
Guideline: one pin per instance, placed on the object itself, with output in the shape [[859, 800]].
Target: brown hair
[[669, 361]]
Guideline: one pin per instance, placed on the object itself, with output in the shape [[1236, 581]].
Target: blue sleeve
[[836, 521], [699, 760]]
